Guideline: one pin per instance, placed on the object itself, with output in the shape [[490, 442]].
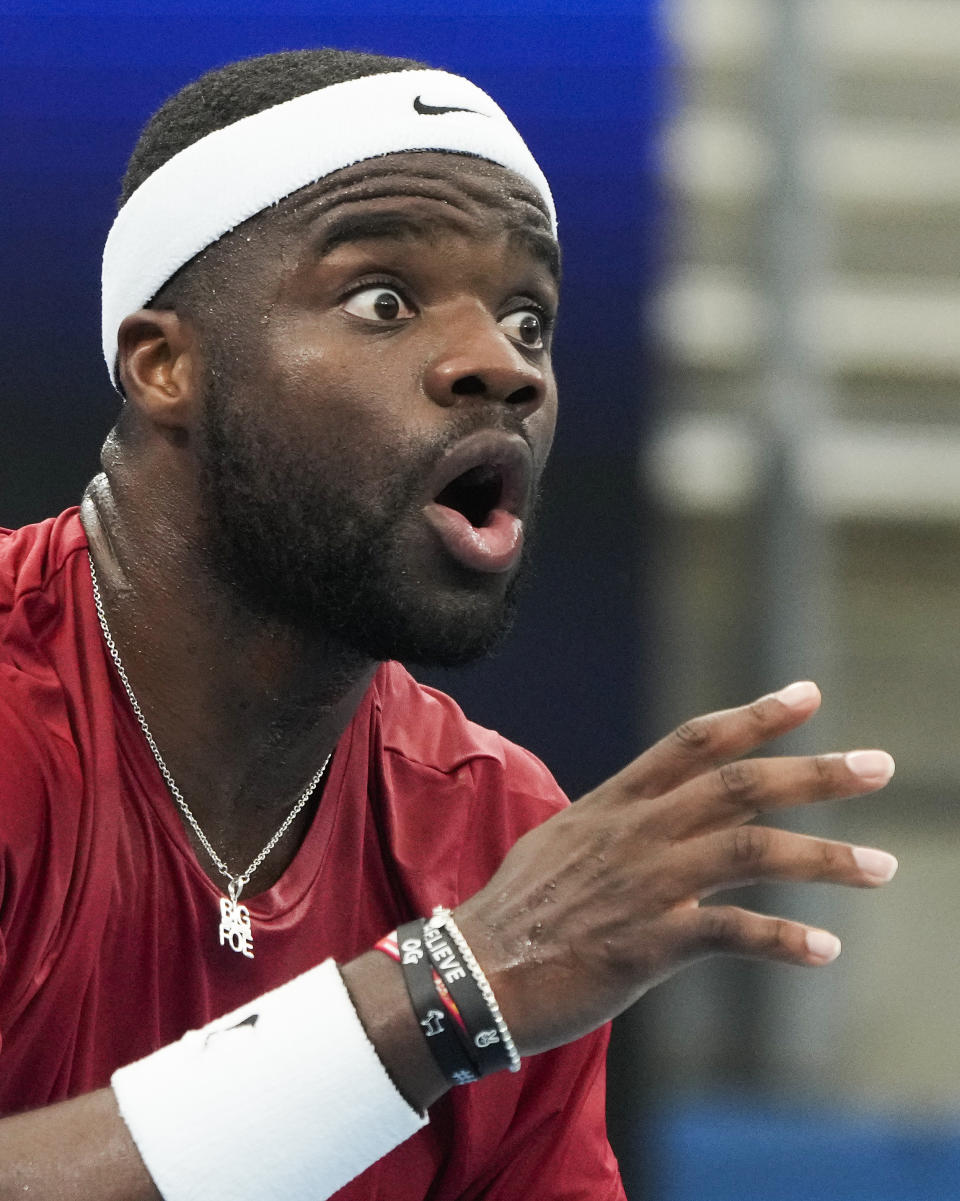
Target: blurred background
[[804, 472], [757, 477]]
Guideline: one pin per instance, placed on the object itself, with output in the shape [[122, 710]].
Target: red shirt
[[108, 926]]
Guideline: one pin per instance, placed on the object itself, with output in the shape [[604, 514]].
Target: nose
[[478, 361]]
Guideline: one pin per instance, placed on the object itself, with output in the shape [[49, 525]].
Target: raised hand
[[601, 902]]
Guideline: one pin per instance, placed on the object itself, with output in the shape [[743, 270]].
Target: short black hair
[[228, 94]]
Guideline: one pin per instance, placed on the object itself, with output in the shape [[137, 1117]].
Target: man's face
[[380, 404]]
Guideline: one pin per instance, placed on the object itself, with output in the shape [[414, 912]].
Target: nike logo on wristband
[[436, 110], [250, 1020]]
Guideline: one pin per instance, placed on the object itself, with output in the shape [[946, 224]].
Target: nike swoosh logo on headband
[[435, 110]]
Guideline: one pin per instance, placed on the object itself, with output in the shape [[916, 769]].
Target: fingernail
[[878, 865], [798, 695], [822, 946], [875, 766]]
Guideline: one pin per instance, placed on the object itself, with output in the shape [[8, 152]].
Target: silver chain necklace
[[235, 930]]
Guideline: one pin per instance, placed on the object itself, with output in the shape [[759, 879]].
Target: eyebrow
[[540, 245], [370, 227]]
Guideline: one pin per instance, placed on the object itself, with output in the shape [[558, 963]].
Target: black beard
[[309, 554]]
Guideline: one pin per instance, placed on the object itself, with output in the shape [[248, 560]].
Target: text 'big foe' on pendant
[[235, 929]]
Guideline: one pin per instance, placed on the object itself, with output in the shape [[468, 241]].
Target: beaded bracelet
[[452, 959]]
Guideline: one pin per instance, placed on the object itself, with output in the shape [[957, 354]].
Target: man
[[328, 299]]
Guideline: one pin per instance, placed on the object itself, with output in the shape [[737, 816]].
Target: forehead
[[437, 190]]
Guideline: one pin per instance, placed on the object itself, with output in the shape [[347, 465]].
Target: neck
[[243, 710]]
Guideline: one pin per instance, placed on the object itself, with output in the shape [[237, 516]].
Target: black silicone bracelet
[[486, 1046], [438, 1026]]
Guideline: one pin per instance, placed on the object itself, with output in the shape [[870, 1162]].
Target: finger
[[728, 930], [737, 792], [751, 854], [705, 742]]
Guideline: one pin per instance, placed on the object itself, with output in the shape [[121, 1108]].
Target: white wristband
[[283, 1098]]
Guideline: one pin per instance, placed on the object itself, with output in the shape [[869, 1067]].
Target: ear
[[158, 366]]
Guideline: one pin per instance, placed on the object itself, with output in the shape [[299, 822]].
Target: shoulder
[[44, 579], [33, 556], [426, 727], [40, 569], [458, 791], [38, 661]]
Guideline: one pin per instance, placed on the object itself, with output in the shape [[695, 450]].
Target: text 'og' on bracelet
[[446, 1043]]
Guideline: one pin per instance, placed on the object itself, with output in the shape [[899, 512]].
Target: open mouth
[[475, 493], [480, 493]]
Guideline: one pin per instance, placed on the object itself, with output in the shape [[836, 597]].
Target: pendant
[[235, 929]]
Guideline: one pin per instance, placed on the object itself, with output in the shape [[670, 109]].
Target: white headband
[[209, 188]]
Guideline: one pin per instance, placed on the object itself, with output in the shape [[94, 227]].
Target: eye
[[526, 326], [378, 303]]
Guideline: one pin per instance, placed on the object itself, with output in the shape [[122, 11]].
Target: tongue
[[493, 547]]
